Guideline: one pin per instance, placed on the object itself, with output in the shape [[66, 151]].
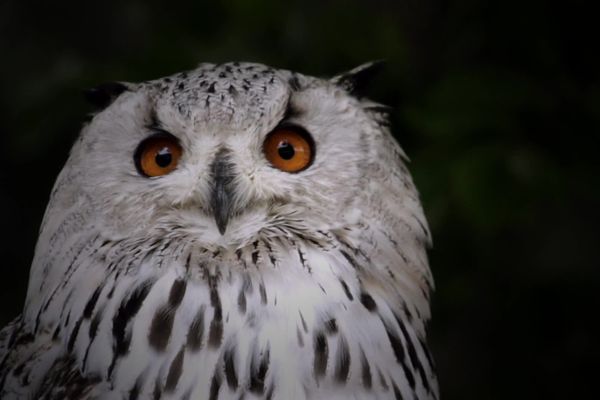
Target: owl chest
[[299, 329], [288, 335]]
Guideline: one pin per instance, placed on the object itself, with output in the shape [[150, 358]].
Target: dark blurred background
[[496, 102]]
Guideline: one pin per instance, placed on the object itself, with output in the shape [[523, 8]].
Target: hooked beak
[[223, 190]]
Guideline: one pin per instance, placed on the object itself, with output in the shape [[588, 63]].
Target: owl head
[[225, 153]]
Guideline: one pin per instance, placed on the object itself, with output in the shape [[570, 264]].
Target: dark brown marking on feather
[[134, 393], [175, 371], [367, 301], [342, 368], [303, 261], [89, 307], [74, 334], [255, 252], [215, 385], [111, 292], [211, 88], [269, 395], [412, 353], [258, 372], [64, 373], [55, 336], [427, 355], [161, 327], [233, 92], [365, 370], [187, 261], [300, 338], [241, 300], [383, 381], [127, 310], [270, 252], [322, 288], [419, 314], [263, 293], [331, 326], [196, 331], [187, 395], [93, 330], [230, 374], [321, 352], [247, 284], [346, 290], [177, 292], [421, 225], [399, 352], [304, 326], [390, 273], [26, 379], [350, 259], [215, 332], [157, 393], [241, 258], [397, 394], [407, 312]]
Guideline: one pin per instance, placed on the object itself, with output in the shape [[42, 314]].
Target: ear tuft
[[357, 80], [104, 94]]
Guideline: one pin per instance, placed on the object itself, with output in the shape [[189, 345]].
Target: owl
[[231, 232]]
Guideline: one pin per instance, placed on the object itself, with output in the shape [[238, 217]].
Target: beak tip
[[222, 229]]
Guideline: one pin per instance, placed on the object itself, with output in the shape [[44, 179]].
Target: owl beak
[[223, 190]]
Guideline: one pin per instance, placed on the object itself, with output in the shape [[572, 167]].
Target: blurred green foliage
[[497, 104]]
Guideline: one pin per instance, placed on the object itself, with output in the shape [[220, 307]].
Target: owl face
[[224, 153]]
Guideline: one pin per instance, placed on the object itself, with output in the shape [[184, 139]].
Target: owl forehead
[[232, 95]]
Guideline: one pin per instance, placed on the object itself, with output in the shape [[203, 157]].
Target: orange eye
[[289, 148], [157, 155]]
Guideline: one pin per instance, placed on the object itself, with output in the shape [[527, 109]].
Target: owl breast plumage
[[235, 231]]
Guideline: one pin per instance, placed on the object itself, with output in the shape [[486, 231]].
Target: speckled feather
[[318, 289]]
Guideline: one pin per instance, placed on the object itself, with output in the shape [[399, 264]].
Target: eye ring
[[157, 155], [289, 148]]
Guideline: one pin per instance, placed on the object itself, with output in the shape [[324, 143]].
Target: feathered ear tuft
[[357, 80], [104, 94]]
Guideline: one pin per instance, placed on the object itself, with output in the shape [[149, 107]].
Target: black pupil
[[163, 157], [286, 150]]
